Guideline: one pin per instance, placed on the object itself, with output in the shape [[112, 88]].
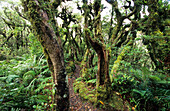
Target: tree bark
[[52, 50], [97, 43]]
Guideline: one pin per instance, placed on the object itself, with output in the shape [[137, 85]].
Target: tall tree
[[97, 43], [42, 15], [156, 26], [117, 36], [13, 30]]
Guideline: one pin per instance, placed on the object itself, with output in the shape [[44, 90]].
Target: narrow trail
[[76, 103]]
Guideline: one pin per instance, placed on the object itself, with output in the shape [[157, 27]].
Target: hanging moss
[[120, 58]]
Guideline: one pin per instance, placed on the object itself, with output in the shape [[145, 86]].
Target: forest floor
[[76, 103]]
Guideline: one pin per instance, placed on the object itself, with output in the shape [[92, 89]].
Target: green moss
[[99, 97], [70, 68], [117, 63], [83, 90]]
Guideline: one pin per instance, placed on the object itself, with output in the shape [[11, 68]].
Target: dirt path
[[76, 103]]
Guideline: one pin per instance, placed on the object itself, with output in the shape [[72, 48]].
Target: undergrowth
[[25, 83], [136, 83]]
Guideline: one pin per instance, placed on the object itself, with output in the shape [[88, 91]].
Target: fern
[[10, 78], [44, 83], [46, 71], [30, 87], [21, 79], [29, 73]]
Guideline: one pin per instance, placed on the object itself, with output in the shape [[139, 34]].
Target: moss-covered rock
[[85, 91], [114, 102]]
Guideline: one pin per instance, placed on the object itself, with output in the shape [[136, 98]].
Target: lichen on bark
[[52, 49]]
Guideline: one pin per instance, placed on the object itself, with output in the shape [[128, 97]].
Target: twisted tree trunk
[[52, 49]]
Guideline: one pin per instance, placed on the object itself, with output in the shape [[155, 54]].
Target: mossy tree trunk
[[157, 39], [39, 17], [97, 43], [99, 47], [153, 29], [117, 36]]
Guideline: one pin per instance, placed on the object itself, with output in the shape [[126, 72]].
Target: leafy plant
[[24, 84]]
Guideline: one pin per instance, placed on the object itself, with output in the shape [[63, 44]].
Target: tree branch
[[7, 39], [19, 13]]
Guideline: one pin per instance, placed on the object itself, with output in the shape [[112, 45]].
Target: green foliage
[[88, 73], [25, 83], [13, 32], [70, 66], [141, 94], [85, 91], [139, 84]]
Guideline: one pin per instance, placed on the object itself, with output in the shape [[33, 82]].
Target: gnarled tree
[[117, 36], [42, 15]]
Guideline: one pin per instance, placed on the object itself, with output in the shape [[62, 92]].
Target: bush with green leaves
[[144, 95], [25, 83], [138, 83]]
